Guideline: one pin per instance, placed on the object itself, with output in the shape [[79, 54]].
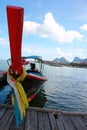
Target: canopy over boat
[[34, 57], [23, 59]]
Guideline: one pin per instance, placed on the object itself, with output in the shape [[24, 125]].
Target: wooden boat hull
[[31, 84]]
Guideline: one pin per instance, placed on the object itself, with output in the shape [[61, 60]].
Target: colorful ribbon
[[19, 95]]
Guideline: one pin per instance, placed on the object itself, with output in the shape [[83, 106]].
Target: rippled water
[[66, 89]]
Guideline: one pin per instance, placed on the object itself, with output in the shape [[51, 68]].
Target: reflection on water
[[39, 100], [4, 94]]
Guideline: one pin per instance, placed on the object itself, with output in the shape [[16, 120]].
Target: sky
[[51, 28]]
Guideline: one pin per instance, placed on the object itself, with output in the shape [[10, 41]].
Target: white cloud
[[70, 54], [84, 27], [46, 53], [52, 53], [51, 29], [32, 50]]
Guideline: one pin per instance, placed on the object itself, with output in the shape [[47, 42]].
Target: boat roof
[[29, 57], [34, 57]]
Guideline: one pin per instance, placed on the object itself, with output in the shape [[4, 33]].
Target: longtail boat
[[25, 84], [34, 78]]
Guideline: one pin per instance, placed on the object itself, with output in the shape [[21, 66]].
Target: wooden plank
[[5, 106], [43, 109], [40, 121], [34, 119], [8, 123], [53, 121], [46, 121], [2, 112], [78, 123], [60, 123], [6, 120], [67, 122], [31, 121], [43, 121], [74, 113], [14, 127], [28, 125], [84, 119], [48, 110]]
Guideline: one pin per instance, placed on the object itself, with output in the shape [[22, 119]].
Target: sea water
[[66, 89]]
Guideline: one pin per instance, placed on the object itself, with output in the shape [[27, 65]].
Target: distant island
[[77, 62]]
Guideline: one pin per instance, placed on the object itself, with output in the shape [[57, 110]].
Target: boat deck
[[43, 119]]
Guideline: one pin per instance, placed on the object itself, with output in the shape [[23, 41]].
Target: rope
[[19, 96]]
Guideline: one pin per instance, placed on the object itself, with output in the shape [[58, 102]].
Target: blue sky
[[52, 28]]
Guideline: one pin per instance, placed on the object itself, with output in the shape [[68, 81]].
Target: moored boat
[[25, 84], [34, 78]]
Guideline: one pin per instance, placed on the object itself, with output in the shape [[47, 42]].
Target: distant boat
[[34, 75]]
